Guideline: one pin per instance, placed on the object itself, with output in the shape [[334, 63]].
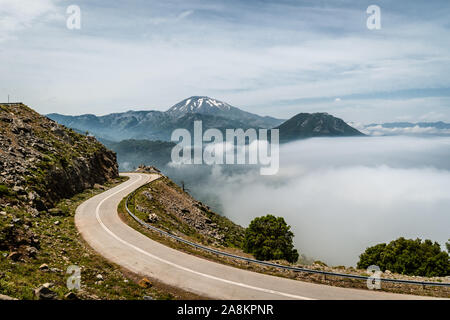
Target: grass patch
[[4, 190]]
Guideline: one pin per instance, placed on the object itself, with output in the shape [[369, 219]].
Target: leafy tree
[[270, 238], [447, 244], [407, 256]]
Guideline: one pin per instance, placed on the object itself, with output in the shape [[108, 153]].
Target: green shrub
[[407, 256], [270, 238], [4, 191], [320, 263]]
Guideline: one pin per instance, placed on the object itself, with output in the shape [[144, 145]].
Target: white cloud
[[252, 57], [432, 116], [379, 110], [171, 19], [18, 15]]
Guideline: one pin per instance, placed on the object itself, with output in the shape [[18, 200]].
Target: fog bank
[[341, 195]]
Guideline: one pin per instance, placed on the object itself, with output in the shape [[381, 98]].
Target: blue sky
[[274, 58]]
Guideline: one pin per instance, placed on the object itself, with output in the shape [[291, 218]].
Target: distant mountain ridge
[[439, 128], [144, 136], [438, 125], [131, 153], [158, 125]]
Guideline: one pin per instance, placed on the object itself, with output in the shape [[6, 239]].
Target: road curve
[[100, 225]]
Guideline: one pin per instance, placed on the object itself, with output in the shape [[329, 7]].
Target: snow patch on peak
[[200, 104]]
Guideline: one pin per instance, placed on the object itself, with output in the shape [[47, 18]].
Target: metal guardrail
[[269, 264]]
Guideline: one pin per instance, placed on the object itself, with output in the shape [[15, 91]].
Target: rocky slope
[[168, 207], [42, 162]]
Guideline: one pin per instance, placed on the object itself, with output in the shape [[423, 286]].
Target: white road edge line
[[97, 214]]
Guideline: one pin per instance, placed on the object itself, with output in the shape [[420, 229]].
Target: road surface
[[99, 224]]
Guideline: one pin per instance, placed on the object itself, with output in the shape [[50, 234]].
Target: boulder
[[18, 189], [33, 212], [152, 218], [99, 186], [14, 256], [70, 296], [148, 195], [142, 209], [44, 293], [32, 196], [145, 283], [43, 267], [31, 251]]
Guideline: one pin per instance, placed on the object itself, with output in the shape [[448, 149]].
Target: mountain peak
[[321, 124], [199, 104]]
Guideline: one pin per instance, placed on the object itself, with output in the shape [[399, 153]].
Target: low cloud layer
[[417, 130], [343, 195]]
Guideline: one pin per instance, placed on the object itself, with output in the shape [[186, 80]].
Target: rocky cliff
[[42, 162]]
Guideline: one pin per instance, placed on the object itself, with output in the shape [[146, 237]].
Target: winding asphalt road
[[99, 224]]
